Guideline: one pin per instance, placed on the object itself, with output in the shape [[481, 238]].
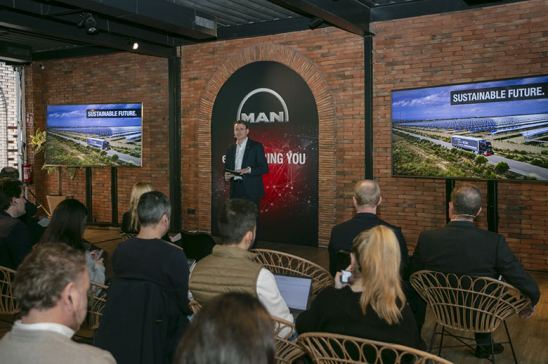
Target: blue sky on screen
[[59, 116], [435, 102]]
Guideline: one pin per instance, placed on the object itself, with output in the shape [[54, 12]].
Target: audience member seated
[[366, 200], [130, 220], [51, 287], [460, 247], [230, 267], [15, 238], [231, 328], [372, 305], [67, 225], [147, 307], [29, 217]]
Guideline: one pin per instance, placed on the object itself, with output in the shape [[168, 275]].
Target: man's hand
[[228, 176], [244, 170]]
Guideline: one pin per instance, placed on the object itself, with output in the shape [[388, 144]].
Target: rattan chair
[[97, 299], [8, 306], [287, 350], [195, 307], [468, 304], [283, 263], [325, 348], [126, 236]]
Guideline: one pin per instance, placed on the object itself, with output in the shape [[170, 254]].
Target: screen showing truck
[[94, 135], [494, 130]]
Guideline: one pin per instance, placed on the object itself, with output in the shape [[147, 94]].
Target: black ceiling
[[35, 30]]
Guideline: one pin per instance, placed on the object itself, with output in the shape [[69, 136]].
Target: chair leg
[[431, 347], [510, 342], [441, 340], [492, 357]]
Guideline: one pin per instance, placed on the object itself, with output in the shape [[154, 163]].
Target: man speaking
[[245, 165]]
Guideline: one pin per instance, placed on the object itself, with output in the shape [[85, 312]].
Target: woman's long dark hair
[[67, 224]]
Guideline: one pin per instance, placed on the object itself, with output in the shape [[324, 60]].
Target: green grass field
[[67, 153], [415, 157]]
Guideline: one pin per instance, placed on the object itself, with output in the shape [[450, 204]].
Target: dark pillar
[[174, 85]]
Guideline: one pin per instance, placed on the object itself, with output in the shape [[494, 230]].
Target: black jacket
[[338, 311], [15, 241], [147, 302], [254, 157], [343, 234], [460, 247]]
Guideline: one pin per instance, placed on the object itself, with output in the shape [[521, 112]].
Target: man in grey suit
[[51, 286]]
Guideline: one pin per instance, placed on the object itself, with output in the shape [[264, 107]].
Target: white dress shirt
[[271, 298], [46, 326], [239, 157]]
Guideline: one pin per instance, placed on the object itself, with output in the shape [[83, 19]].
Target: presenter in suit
[[245, 165]]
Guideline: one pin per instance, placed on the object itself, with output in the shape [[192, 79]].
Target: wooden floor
[[530, 337]]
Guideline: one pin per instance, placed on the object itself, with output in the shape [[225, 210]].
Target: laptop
[[295, 291]]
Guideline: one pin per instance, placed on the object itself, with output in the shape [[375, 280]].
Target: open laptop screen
[[294, 290]]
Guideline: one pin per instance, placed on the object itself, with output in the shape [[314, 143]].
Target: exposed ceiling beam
[[263, 28], [155, 14], [71, 52], [15, 53], [70, 15], [428, 7], [347, 15], [53, 29]]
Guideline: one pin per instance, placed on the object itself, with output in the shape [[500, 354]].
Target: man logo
[[270, 117]]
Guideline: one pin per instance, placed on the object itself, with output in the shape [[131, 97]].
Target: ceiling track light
[[88, 22], [134, 45]]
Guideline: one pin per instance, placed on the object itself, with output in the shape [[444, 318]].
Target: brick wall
[[120, 77], [8, 112], [491, 43], [330, 61]]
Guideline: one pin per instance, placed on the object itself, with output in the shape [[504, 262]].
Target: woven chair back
[[8, 305], [325, 348], [287, 264], [287, 350], [96, 304], [467, 303]]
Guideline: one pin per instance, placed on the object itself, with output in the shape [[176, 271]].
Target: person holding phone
[[367, 300]]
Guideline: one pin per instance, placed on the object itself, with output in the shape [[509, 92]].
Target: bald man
[[366, 200]]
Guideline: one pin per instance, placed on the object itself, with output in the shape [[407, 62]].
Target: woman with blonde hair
[[130, 221], [372, 304]]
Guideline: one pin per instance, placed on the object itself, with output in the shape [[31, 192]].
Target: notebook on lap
[[295, 291]]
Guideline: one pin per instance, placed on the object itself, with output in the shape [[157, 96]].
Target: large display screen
[[94, 135], [485, 130]]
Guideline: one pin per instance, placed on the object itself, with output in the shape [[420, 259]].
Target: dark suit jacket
[[15, 241], [343, 234], [460, 247], [253, 157]]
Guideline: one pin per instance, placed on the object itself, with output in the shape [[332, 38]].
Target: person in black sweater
[[15, 237], [372, 305], [147, 307]]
